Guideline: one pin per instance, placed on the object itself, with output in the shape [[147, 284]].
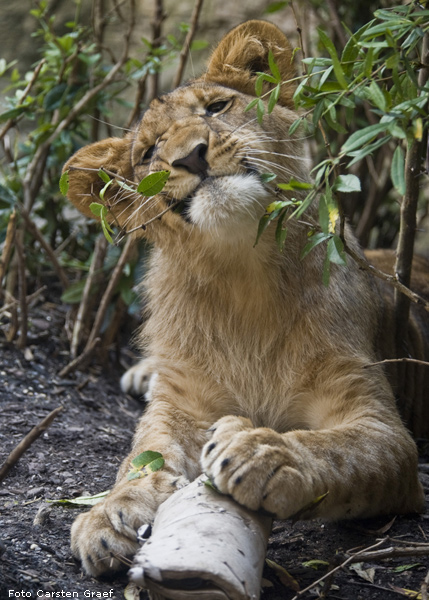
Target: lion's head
[[214, 149]]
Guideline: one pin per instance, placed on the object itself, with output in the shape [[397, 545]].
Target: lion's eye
[[216, 107], [148, 154]]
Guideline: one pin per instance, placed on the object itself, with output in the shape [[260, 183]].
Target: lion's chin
[[220, 204]]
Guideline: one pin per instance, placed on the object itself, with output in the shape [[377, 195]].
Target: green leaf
[[402, 568], [397, 171], [103, 175], [64, 183], [153, 183], [259, 83], [82, 500], [13, 113], [347, 183], [251, 104], [106, 229], [275, 6], [97, 209], [315, 564], [294, 184], [144, 464], [363, 136], [295, 126], [314, 241], [274, 96], [324, 220], [273, 67], [73, 294], [335, 251], [281, 232], [263, 224], [376, 96], [267, 177], [338, 70], [104, 190]]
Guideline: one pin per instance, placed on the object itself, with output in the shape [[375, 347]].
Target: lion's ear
[[112, 154], [244, 51]]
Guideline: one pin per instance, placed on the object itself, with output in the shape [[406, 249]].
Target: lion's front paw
[[103, 538], [137, 379], [254, 466]]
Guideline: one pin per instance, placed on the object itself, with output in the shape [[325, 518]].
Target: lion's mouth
[[181, 207]]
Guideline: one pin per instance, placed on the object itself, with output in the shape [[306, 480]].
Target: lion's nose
[[195, 162]]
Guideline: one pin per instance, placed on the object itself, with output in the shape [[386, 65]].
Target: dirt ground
[[79, 455]]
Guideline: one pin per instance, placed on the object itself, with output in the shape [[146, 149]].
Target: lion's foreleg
[[107, 533], [365, 468]]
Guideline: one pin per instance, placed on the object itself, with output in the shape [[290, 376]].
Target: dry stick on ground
[[96, 264], [24, 444], [404, 255], [349, 560], [187, 44], [86, 354], [7, 248]]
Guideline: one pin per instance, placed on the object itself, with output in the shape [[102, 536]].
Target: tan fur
[[260, 369]]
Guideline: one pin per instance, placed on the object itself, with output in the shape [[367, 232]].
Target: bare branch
[[398, 360], [22, 288], [114, 279], [404, 256], [25, 93], [7, 248], [392, 279], [34, 231], [74, 364], [187, 44]]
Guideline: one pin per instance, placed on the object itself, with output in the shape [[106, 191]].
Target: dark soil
[[79, 455]]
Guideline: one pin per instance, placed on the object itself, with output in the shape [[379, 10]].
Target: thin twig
[[113, 282], [146, 223], [25, 443], [33, 229], [22, 289], [7, 248], [74, 364], [392, 279], [96, 263], [398, 360], [25, 93], [156, 43], [187, 44], [393, 552], [14, 302], [349, 560], [416, 153]]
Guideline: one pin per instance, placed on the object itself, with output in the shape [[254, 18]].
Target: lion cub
[[260, 378]]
